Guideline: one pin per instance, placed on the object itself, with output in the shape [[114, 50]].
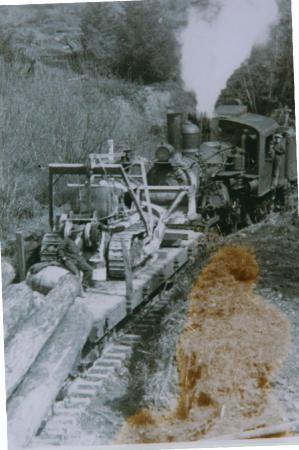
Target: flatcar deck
[[109, 303]]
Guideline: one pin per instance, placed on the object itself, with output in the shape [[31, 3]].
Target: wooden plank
[[173, 243], [147, 198], [68, 169], [166, 188], [128, 277], [176, 234], [20, 248]]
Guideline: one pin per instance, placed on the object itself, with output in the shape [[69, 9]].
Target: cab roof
[[264, 125]]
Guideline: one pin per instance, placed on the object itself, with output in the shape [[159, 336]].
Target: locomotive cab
[[254, 134]]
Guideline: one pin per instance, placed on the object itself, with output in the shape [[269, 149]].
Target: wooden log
[[8, 273], [23, 348], [32, 400], [17, 305], [46, 279], [38, 300]]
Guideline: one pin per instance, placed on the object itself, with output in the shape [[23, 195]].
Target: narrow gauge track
[[106, 364]]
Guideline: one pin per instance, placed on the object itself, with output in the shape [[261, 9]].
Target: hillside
[[60, 101], [47, 34]]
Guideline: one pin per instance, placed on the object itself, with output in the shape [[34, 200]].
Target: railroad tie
[[130, 339]]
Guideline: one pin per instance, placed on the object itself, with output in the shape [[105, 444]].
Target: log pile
[[24, 347], [44, 336], [227, 355], [38, 390]]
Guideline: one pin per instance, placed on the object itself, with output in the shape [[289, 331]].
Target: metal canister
[[105, 200], [191, 136]]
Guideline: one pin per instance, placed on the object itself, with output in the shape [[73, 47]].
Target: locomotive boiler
[[230, 168]]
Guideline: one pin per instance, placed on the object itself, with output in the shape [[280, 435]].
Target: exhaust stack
[[174, 130]]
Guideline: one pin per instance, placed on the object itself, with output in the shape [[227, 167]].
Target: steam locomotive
[[235, 176], [121, 209]]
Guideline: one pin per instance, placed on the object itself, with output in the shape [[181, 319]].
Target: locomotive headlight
[[164, 153]]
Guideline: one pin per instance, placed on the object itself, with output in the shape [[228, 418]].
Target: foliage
[[133, 40], [146, 44], [266, 80], [136, 40]]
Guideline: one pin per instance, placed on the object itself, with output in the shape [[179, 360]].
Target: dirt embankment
[[227, 355], [276, 244]]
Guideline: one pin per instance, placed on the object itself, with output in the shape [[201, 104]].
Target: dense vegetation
[[266, 80], [121, 75], [137, 40]]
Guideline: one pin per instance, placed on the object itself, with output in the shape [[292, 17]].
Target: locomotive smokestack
[[174, 130]]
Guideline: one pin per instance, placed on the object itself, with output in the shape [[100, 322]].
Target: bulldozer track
[[116, 257]]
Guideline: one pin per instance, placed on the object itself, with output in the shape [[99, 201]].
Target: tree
[[266, 80], [99, 34], [133, 40], [147, 44]]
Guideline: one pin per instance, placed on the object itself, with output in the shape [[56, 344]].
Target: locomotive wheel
[[262, 210]]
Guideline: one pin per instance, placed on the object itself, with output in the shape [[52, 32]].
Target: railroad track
[[62, 426]]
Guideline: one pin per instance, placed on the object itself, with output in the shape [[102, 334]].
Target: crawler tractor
[[116, 225]]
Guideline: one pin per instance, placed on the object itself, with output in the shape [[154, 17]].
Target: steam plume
[[213, 49]]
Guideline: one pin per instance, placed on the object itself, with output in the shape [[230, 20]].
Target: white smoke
[[213, 49]]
